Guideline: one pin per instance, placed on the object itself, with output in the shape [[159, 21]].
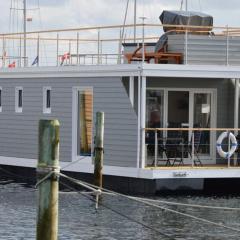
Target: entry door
[[194, 109]]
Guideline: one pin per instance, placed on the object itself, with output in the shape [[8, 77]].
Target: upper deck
[[110, 45]]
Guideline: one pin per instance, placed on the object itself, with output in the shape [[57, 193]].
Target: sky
[[55, 14]]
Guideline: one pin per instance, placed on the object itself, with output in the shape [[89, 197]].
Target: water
[[79, 220]]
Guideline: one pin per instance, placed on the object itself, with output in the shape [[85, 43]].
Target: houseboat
[[171, 104]]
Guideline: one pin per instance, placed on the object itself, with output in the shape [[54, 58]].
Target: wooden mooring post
[[99, 150], [48, 185]]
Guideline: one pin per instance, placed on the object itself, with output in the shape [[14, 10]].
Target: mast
[[186, 5], [24, 32], [135, 20]]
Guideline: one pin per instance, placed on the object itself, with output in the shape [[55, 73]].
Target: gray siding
[[206, 49], [18, 131]]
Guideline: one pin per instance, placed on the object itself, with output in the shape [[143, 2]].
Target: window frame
[[46, 109], [75, 154], [18, 109]]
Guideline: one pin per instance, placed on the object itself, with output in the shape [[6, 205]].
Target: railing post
[[186, 46], [119, 59], [99, 139], [227, 47], [143, 118], [57, 49], [143, 39], [77, 48], [229, 147], [38, 50], [156, 148], [98, 58], [48, 180], [20, 51], [236, 114], [193, 149], [69, 50], [3, 52]]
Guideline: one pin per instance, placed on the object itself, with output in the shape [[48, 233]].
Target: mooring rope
[[153, 205], [44, 178], [191, 205], [120, 213]]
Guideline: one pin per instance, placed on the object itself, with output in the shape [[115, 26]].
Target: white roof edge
[[72, 71], [191, 71], [149, 70]]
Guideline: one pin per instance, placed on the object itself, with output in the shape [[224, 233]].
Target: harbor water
[[118, 219]]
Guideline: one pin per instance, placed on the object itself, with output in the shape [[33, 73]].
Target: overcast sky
[[75, 13]]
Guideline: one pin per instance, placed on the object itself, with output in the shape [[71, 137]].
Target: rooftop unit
[[192, 36]]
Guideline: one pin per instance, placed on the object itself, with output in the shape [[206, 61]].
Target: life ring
[[234, 144]]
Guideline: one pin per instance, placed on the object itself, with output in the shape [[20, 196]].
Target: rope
[[72, 163], [80, 183], [190, 205], [120, 213], [157, 206], [44, 178], [15, 175]]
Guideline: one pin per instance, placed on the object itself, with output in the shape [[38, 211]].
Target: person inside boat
[[154, 122]]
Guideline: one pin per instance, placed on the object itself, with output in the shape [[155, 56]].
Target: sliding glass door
[[182, 108], [202, 118]]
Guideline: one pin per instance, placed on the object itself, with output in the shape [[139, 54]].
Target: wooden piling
[[99, 137], [48, 161]]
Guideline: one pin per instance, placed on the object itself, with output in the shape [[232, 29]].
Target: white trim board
[[175, 173], [121, 70]]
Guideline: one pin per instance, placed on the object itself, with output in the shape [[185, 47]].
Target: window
[[84, 121], [46, 99], [0, 99], [18, 99]]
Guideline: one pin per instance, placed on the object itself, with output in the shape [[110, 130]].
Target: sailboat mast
[[135, 20], [186, 5], [24, 32]]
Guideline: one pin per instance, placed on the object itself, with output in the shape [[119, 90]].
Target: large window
[[154, 118], [154, 108], [85, 121], [18, 99], [202, 119]]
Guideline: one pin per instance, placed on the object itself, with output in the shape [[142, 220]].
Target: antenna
[[135, 20], [181, 8], [25, 31]]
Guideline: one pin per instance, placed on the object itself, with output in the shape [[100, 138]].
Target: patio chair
[[150, 143], [174, 147], [196, 144]]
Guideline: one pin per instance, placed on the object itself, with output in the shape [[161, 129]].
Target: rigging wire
[[200, 5], [41, 26], [15, 175], [181, 6], [72, 163], [119, 212], [124, 22]]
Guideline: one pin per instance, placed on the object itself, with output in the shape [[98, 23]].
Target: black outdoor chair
[[150, 142], [196, 144], [174, 146]]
